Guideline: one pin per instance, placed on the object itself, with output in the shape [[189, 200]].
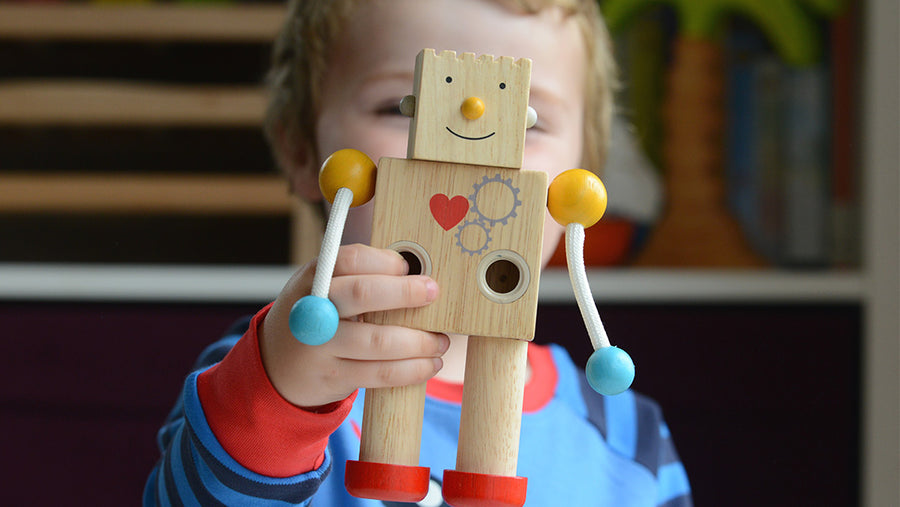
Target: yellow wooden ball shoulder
[[577, 196], [348, 168]]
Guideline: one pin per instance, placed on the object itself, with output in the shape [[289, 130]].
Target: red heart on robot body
[[448, 212]]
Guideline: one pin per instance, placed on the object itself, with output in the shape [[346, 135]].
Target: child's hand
[[360, 354]]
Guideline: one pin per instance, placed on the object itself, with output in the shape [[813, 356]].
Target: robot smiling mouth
[[470, 138]]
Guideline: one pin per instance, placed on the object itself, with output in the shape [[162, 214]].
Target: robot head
[[470, 110]]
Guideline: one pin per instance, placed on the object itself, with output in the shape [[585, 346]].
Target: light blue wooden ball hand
[[347, 180], [577, 199]]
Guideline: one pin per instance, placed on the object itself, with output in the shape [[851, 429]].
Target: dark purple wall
[[85, 387]]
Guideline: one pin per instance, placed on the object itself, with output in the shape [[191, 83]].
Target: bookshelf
[[38, 104], [259, 284], [881, 161], [33, 103]]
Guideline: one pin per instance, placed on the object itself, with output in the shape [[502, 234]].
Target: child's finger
[[351, 260], [364, 260], [364, 341], [374, 374], [355, 295]]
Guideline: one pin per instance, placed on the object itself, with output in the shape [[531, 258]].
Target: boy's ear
[[305, 183], [297, 160]]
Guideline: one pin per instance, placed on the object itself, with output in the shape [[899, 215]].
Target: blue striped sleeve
[[635, 428], [674, 487], [622, 423], [196, 470]]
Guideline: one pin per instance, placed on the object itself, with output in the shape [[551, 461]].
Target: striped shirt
[[577, 448]]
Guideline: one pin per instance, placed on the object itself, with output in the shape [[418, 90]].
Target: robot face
[[470, 110]]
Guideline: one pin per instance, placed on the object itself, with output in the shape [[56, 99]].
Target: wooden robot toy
[[460, 210]]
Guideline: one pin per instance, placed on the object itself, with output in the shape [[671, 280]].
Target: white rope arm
[[331, 242], [578, 277]]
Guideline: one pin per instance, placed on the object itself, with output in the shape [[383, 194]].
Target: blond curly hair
[[299, 61]]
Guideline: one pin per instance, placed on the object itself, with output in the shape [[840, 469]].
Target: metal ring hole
[[503, 276], [415, 256]]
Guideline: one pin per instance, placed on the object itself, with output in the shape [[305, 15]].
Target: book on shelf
[[752, 136], [806, 167], [845, 219], [785, 184]]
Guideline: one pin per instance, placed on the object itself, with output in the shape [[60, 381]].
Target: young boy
[[275, 420]]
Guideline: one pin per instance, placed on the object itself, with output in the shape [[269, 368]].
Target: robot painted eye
[[449, 79], [502, 86]]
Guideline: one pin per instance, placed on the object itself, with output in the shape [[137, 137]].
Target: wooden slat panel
[[103, 193], [68, 102], [247, 23]]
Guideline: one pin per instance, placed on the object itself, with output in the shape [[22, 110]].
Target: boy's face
[[372, 69]]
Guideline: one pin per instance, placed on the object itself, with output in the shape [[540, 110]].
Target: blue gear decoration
[[473, 223], [490, 222]]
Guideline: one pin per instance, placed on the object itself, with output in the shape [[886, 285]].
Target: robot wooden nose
[[472, 108]]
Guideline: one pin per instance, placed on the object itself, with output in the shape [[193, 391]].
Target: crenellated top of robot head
[[468, 109]]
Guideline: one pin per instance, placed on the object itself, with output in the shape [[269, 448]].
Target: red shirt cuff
[[256, 426]]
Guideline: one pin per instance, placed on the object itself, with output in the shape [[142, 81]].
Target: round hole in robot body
[[415, 256], [415, 264], [503, 276]]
